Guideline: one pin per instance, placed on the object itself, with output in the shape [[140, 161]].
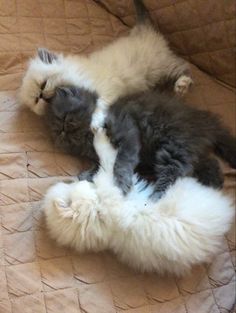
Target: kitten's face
[[69, 116], [44, 65]]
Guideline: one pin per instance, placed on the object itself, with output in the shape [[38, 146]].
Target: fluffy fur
[[130, 64], [173, 138], [153, 131], [184, 228]]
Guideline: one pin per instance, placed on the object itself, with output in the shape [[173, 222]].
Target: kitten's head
[[69, 116], [44, 65]]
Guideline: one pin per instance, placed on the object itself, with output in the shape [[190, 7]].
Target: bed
[[37, 276]]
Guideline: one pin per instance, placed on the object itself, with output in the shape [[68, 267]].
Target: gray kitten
[[154, 133]]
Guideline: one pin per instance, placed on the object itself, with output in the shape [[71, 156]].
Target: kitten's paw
[[182, 84], [100, 140], [123, 181], [98, 120], [63, 208], [101, 134], [49, 88], [105, 150]]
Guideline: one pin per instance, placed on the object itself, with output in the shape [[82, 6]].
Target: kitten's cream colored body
[[130, 64], [183, 228]]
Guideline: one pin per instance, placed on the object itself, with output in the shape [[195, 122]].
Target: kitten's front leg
[[125, 137], [50, 85], [99, 115]]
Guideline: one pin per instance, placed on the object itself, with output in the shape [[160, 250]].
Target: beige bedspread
[[36, 276]]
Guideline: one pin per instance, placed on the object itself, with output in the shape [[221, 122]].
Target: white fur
[[183, 228], [130, 64]]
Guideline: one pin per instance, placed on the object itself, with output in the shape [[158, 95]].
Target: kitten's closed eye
[[42, 86]]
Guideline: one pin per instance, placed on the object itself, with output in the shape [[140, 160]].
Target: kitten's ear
[[47, 56], [65, 91]]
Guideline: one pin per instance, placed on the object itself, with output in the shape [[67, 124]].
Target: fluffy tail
[[143, 15], [225, 147]]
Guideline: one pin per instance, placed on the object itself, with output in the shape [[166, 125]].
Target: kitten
[[151, 131], [170, 235], [173, 138], [130, 64]]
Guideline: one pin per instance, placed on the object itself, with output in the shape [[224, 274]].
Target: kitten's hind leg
[[172, 161], [179, 73], [99, 115], [209, 173]]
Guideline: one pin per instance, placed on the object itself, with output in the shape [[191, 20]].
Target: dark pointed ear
[[60, 93], [47, 56], [65, 91]]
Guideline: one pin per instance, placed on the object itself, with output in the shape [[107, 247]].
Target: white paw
[[105, 151], [49, 88], [101, 140], [40, 107], [182, 84], [98, 120]]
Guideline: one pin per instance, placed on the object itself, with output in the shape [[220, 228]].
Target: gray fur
[[174, 139], [208, 172], [68, 116], [151, 131]]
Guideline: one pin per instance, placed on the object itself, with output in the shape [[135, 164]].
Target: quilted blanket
[[37, 276]]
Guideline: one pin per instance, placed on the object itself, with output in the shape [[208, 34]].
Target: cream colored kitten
[[130, 64], [183, 228]]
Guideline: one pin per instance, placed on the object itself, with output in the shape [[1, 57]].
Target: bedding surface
[[36, 276]]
